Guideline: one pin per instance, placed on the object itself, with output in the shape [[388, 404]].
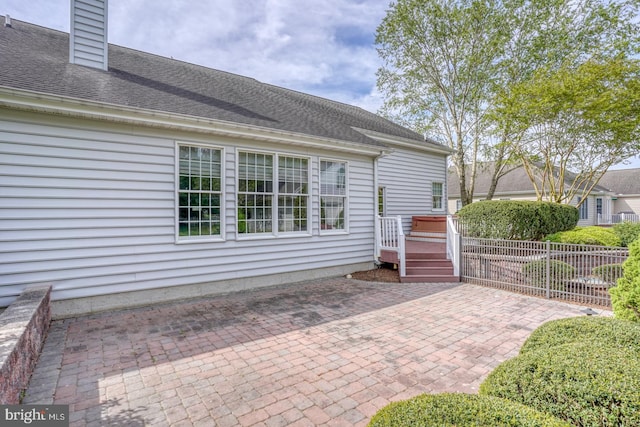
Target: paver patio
[[326, 352]]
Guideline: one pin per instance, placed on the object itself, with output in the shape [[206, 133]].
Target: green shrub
[[625, 296], [559, 273], [599, 331], [627, 231], [586, 384], [608, 272], [456, 409], [592, 235], [516, 220]]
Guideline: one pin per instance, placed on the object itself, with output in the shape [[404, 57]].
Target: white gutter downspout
[[376, 253]]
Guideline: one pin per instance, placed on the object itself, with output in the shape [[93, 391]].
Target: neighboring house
[[129, 178], [516, 185], [625, 184]]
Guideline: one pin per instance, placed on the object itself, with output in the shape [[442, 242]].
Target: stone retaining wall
[[23, 328]]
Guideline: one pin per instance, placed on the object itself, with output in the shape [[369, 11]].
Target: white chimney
[[88, 35]]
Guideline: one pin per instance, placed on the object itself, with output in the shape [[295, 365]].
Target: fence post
[[548, 267]]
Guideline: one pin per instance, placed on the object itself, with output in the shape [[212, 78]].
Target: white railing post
[[453, 245], [378, 237], [401, 248]]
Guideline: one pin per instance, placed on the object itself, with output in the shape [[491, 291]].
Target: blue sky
[[325, 48]]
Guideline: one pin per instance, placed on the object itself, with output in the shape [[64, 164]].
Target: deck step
[[425, 255], [437, 262], [430, 279], [430, 271]]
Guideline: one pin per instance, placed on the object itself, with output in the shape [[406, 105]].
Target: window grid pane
[[333, 190], [293, 190], [255, 193], [199, 198], [436, 192]]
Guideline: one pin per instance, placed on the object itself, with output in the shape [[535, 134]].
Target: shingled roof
[[515, 181], [36, 59], [622, 182]]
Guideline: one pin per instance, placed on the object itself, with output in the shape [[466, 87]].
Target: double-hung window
[[199, 192], [259, 199], [255, 193], [437, 196], [583, 210], [333, 195], [293, 194]]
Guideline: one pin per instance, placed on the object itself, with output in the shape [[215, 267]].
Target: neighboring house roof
[[36, 59], [515, 181], [622, 182]]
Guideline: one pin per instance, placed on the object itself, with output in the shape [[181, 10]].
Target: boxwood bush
[[559, 273], [457, 409], [608, 272], [627, 232], [625, 296], [516, 220], [598, 331], [592, 235], [586, 384]]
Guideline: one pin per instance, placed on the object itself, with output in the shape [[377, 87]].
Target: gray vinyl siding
[[407, 176], [90, 208]]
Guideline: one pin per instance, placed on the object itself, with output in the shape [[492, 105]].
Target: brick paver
[[326, 352]]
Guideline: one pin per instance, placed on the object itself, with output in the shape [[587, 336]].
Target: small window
[[382, 201], [437, 196], [584, 209], [333, 195], [199, 191], [458, 205]]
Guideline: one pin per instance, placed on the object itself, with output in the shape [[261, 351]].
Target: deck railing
[[390, 237], [618, 218], [576, 273], [454, 243]]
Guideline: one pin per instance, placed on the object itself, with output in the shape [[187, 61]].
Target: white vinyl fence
[[576, 273]]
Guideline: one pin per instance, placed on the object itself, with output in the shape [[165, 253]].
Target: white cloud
[[324, 48]]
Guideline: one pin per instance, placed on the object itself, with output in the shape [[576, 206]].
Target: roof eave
[[75, 107], [405, 142]]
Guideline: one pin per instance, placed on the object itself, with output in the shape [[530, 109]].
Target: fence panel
[[576, 273]]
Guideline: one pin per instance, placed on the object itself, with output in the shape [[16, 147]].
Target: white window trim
[[180, 240], [442, 201], [345, 230], [275, 233]]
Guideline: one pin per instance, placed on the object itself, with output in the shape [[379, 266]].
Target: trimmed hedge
[[592, 235], [608, 272], [625, 296], [627, 231], [586, 384], [516, 220], [559, 273], [598, 331], [457, 409]]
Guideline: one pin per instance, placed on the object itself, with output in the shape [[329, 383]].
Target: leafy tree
[[459, 70], [439, 59], [582, 118]]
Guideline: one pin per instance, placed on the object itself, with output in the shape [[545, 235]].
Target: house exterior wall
[[626, 203], [406, 176], [90, 208]]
